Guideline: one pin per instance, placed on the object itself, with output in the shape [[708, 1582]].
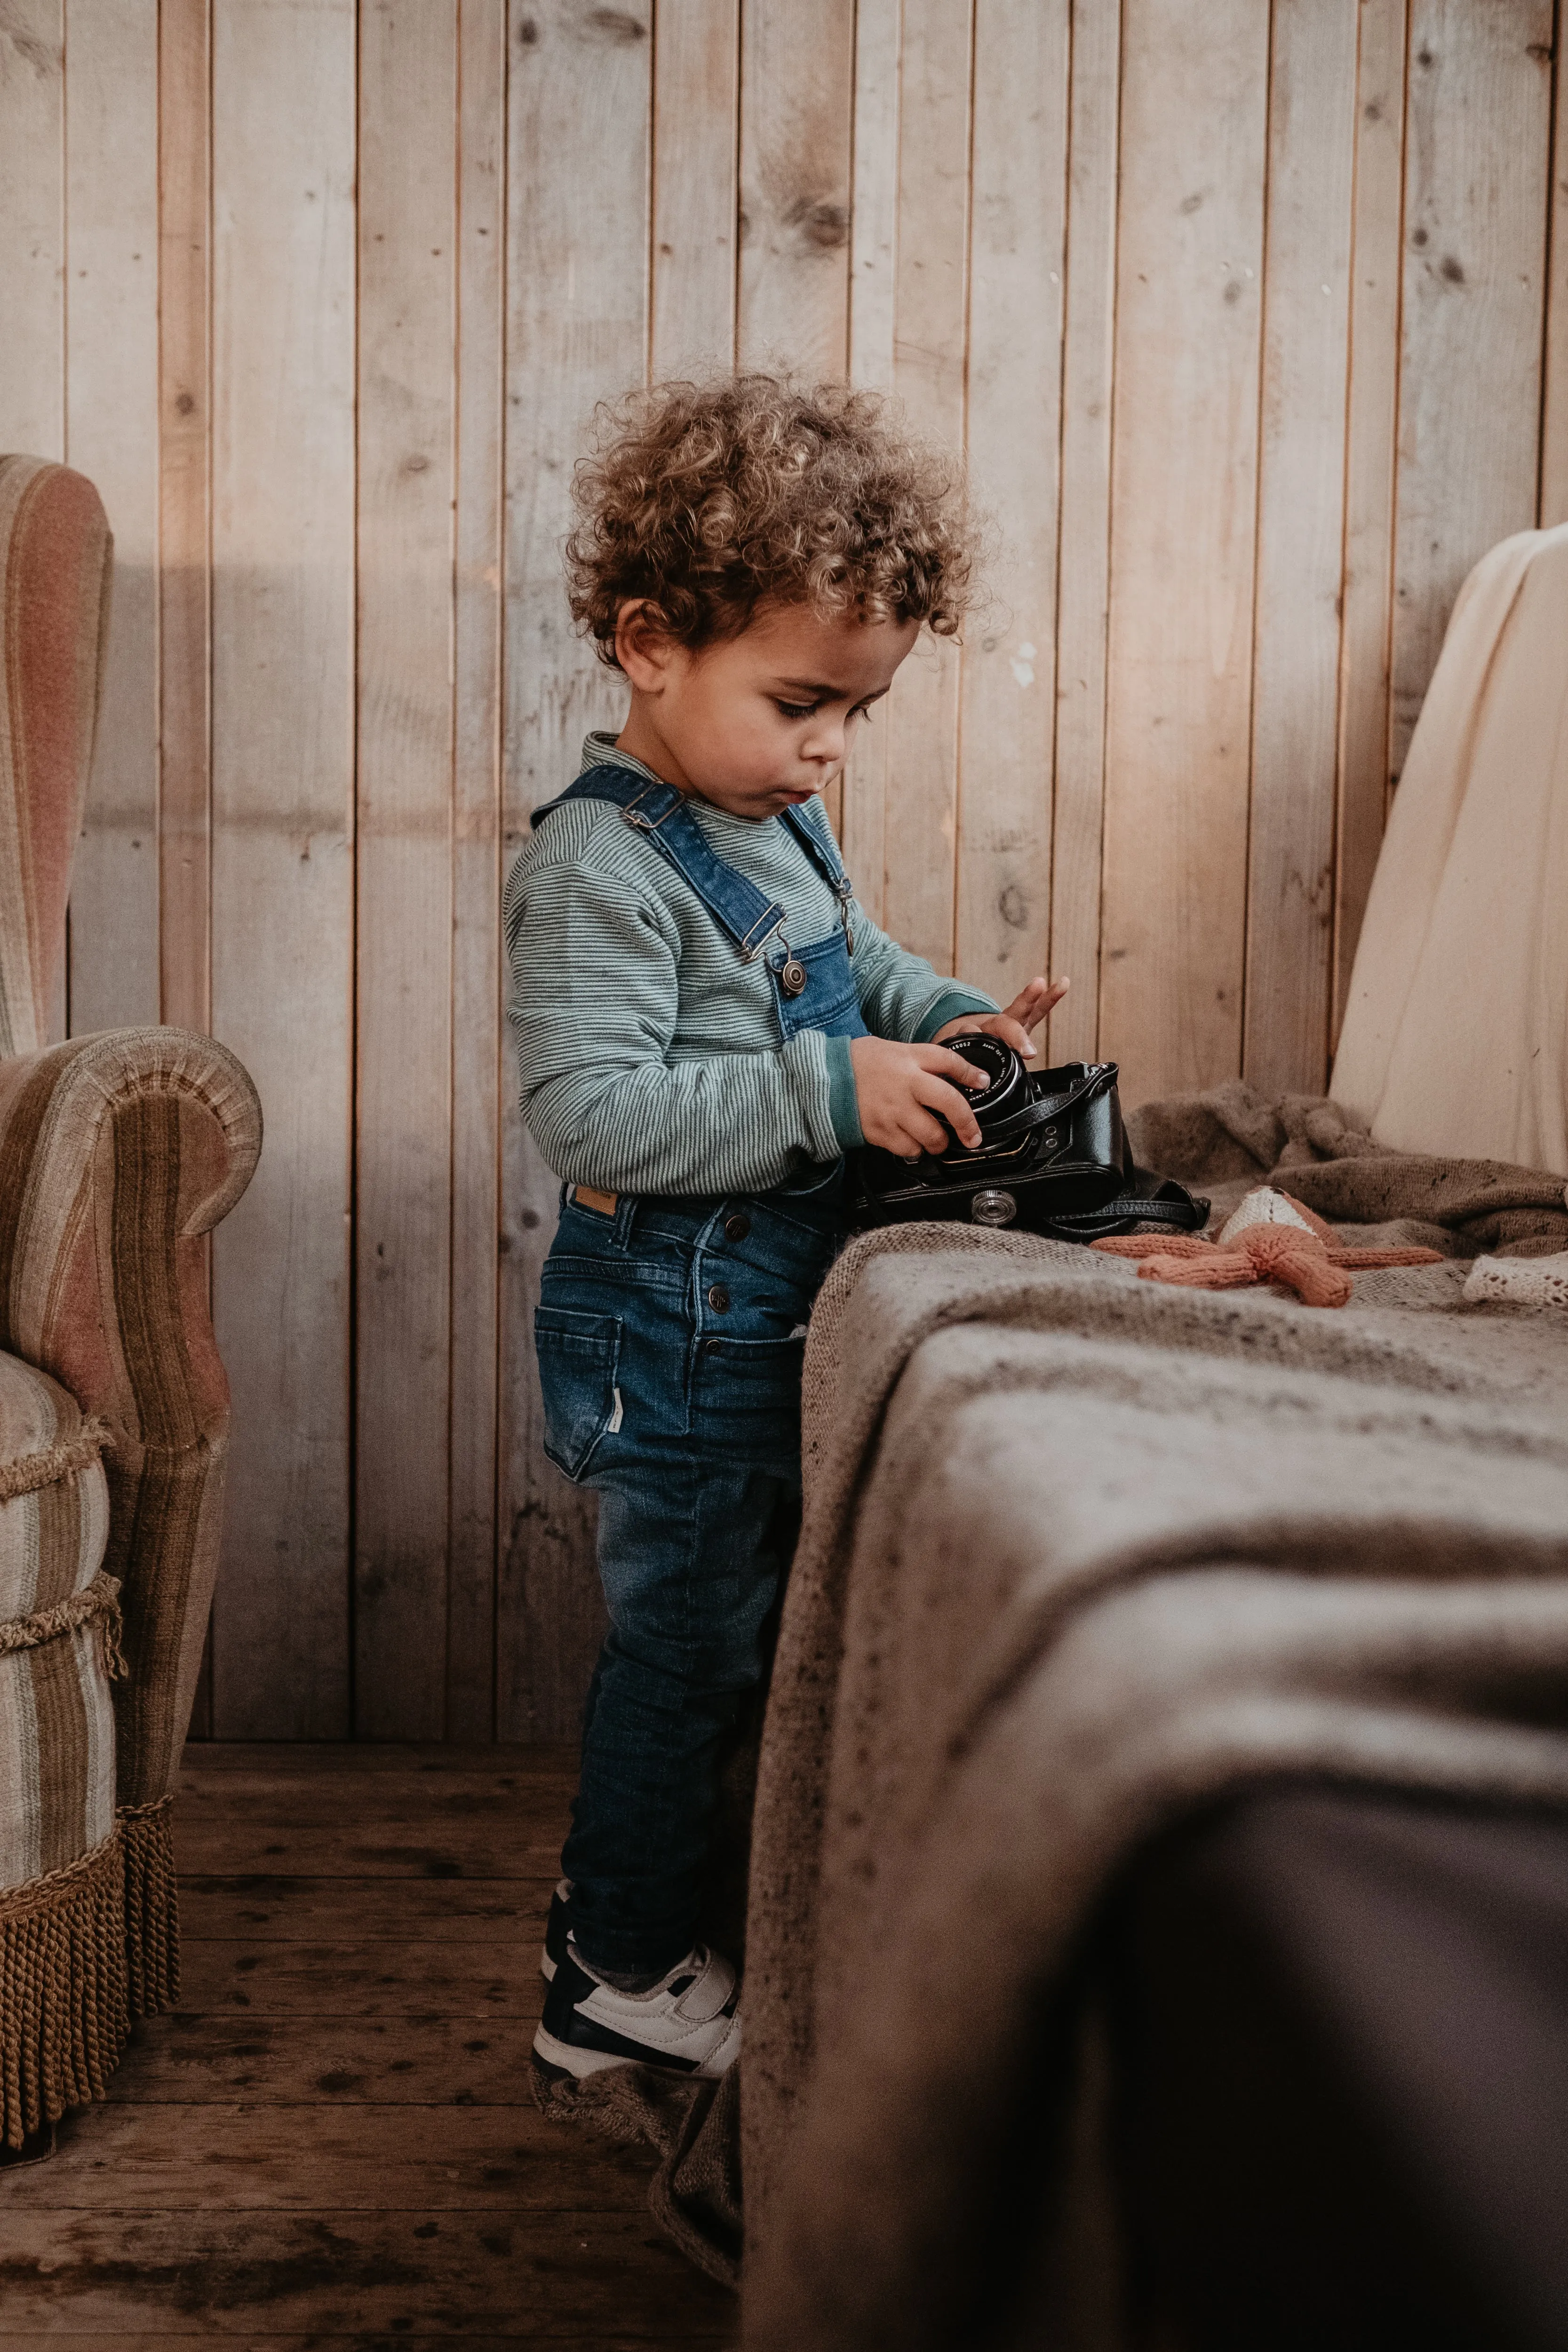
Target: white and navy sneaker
[[688, 2023], [553, 1951]]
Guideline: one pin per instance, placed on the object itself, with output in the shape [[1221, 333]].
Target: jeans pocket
[[578, 1357]]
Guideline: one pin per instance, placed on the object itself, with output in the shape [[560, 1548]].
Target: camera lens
[[1003, 1071], [1005, 1080]]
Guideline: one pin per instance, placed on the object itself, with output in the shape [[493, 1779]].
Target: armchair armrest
[[117, 1153]]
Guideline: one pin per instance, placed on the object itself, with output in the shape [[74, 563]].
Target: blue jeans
[[669, 1352]]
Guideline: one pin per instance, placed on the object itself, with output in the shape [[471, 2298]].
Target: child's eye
[[796, 709]]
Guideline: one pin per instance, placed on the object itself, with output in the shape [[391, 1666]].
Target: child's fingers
[[1032, 1003], [942, 1064], [917, 1130], [938, 1095]]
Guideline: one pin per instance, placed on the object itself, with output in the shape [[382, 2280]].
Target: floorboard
[[420, 2061], [332, 2145], [365, 1847]]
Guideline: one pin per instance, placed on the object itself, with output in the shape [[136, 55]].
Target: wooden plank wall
[[1253, 318]]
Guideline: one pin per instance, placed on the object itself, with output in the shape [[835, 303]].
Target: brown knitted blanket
[[1079, 1553]]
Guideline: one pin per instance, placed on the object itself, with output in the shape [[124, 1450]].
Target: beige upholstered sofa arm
[[117, 1153]]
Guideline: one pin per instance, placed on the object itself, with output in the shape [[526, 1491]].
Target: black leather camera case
[[1053, 1159]]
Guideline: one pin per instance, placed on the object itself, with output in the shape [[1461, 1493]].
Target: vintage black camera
[[1053, 1159]]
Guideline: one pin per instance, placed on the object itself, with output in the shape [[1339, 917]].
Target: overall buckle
[[764, 931], [650, 824]]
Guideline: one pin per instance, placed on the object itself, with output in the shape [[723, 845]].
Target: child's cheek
[[766, 748]]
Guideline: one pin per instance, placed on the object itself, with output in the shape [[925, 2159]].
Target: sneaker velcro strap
[[711, 1993]]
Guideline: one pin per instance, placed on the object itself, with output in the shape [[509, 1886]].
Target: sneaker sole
[[548, 2074], [558, 2060]]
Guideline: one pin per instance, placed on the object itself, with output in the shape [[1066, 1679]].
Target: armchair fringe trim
[[63, 2014], [99, 1601], [29, 1472], [152, 1907], [84, 1952]]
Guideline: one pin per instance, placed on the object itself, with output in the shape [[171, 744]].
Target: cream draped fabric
[[1455, 1034]]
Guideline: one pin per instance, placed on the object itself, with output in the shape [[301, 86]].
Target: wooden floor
[[332, 2145]]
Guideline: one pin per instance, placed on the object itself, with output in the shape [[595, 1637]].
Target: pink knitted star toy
[[1300, 1252]]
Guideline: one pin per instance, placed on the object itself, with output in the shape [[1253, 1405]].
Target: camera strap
[[1046, 1108]]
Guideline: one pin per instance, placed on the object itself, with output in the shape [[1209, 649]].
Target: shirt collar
[[599, 752]]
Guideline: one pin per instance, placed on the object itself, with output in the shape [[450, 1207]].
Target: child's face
[[758, 722]]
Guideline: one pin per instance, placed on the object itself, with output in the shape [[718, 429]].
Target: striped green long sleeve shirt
[[649, 1054]]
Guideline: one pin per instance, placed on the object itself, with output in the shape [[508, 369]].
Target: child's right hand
[[900, 1089]]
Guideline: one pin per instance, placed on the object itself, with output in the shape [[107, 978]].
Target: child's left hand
[[1026, 1013]]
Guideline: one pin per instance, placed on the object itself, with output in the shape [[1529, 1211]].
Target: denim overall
[[669, 1336]]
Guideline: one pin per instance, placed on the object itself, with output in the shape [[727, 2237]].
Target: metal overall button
[[719, 1299], [737, 1228], [793, 976]]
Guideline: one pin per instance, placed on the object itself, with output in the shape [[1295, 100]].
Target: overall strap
[[820, 848], [658, 810], [734, 901]]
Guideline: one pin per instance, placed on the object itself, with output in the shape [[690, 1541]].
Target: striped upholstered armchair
[[117, 1153]]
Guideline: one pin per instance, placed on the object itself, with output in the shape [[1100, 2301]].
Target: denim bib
[[814, 987]]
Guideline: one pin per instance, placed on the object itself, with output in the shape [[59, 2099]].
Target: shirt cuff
[[948, 1006], [843, 1102]]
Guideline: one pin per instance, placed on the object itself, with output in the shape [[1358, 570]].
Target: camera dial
[[991, 1207]]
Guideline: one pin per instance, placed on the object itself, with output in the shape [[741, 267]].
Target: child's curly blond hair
[[712, 500]]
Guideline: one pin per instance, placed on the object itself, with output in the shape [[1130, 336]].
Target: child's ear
[[644, 646]]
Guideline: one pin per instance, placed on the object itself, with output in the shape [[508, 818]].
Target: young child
[[706, 1023]]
